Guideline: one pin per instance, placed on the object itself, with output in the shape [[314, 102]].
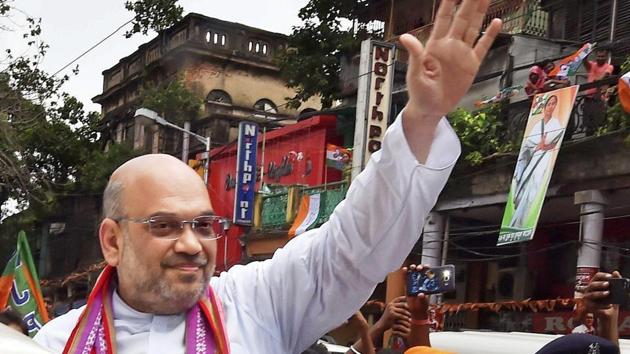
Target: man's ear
[[111, 240]]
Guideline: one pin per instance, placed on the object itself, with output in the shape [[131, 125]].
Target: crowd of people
[[541, 79], [408, 319]]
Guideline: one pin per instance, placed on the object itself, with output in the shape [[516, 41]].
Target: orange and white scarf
[[94, 333]]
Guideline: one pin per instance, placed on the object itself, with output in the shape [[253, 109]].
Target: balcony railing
[[587, 118], [519, 16], [276, 211]]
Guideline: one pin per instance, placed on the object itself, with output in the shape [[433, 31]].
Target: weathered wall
[[245, 86]]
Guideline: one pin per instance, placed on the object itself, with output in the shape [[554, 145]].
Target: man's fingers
[[601, 276], [401, 299], [413, 46], [475, 25], [443, 19], [596, 295], [401, 313], [485, 42], [463, 19], [597, 285], [616, 274], [401, 329]]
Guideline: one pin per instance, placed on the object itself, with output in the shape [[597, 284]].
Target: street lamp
[[152, 115]]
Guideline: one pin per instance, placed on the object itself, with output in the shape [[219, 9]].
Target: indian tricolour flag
[[338, 157], [307, 214], [19, 287]]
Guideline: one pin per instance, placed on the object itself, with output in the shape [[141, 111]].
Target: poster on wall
[[245, 173], [548, 118]]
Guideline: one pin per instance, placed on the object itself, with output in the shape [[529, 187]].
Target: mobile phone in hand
[[619, 292], [434, 280]]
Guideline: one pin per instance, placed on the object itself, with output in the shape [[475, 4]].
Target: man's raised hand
[[441, 73]]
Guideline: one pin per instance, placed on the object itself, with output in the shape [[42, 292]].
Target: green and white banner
[[548, 118]]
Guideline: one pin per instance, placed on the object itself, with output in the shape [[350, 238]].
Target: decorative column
[[592, 204], [432, 239]]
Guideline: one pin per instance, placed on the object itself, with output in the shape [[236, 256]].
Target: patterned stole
[[94, 333]]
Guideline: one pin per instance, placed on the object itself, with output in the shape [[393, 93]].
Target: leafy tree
[[332, 29], [482, 133], [172, 101], [154, 15], [616, 117]]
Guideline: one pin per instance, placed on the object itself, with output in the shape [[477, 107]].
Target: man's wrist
[[411, 111]]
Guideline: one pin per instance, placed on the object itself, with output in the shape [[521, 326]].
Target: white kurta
[[320, 278]]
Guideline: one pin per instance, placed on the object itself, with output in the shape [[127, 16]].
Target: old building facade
[[228, 65]]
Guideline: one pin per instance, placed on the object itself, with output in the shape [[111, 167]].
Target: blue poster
[[245, 173]]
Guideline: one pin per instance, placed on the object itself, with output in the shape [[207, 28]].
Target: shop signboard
[[245, 173]]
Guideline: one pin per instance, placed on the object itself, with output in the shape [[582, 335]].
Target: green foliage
[[100, 165], [616, 117], [481, 133], [173, 101], [312, 63], [154, 15]]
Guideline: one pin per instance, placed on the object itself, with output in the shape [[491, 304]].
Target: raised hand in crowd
[[364, 345], [419, 309], [596, 300]]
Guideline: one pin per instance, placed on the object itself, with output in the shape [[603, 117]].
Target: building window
[[266, 106], [219, 96], [216, 38], [258, 47]]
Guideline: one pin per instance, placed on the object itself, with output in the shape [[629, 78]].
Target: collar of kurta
[[94, 332]]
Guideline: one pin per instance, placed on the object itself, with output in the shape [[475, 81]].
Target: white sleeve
[[320, 278]]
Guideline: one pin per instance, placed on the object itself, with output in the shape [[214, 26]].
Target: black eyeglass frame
[[178, 232]]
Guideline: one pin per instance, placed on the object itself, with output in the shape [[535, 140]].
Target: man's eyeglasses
[[207, 227]]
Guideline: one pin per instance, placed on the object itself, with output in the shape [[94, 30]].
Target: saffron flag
[[337, 157], [307, 214], [570, 65], [624, 92], [19, 287]]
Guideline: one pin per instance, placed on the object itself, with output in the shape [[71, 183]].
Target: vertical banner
[[376, 78], [548, 118], [245, 173], [19, 287]]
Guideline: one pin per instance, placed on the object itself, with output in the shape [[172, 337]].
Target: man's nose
[[188, 242]]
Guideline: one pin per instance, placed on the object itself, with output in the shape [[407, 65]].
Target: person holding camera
[[597, 300]]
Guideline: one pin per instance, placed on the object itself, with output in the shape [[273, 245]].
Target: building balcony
[[275, 212], [519, 17], [588, 118]]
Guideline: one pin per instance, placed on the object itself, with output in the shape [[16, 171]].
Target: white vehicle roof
[[486, 342]]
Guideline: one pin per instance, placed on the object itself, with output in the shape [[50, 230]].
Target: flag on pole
[[307, 214], [624, 92], [19, 287], [338, 157], [568, 66]]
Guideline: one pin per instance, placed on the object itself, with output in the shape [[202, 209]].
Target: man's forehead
[[160, 181]]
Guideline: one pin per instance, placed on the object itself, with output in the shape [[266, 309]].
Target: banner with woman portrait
[[548, 118]]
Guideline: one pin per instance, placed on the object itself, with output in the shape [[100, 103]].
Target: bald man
[[159, 232]]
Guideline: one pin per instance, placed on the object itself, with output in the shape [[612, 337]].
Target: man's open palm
[[441, 73]]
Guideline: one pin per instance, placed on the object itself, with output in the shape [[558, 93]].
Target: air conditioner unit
[[512, 284]]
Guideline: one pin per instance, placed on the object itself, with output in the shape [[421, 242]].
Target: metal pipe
[[262, 157], [185, 142], [613, 21], [447, 226]]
